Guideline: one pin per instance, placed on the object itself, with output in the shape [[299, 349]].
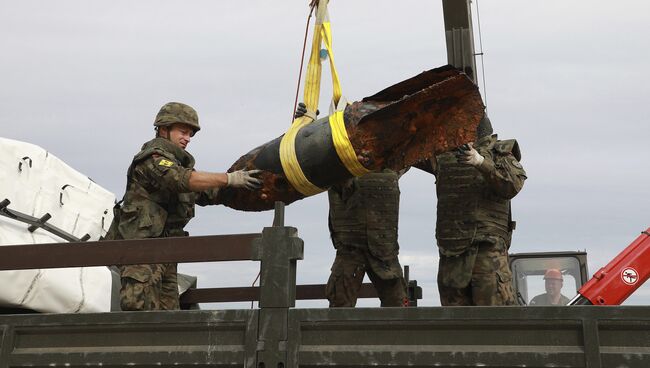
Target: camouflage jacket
[[474, 203], [158, 201]]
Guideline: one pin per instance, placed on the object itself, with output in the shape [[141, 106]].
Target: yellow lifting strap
[[343, 146], [344, 149]]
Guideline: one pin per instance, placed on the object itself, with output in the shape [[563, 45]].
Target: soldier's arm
[[208, 184], [504, 174], [201, 180], [182, 180]]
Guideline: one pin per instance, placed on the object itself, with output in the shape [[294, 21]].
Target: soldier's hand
[[467, 154], [244, 179], [302, 111]]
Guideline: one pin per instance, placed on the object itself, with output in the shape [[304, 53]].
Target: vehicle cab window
[[542, 280]]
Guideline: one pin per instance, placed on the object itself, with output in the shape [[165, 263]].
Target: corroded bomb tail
[[404, 124]]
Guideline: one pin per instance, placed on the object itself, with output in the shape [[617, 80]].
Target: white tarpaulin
[[36, 182]]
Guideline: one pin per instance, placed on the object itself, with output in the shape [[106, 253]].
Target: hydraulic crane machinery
[[615, 282]]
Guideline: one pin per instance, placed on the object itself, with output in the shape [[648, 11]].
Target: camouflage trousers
[[349, 268], [479, 276], [149, 287]]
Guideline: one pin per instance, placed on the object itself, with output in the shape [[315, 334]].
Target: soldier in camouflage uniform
[[474, 226], [363, 220], [162, 189]]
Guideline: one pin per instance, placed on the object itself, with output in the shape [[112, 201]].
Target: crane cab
[[528, 271]]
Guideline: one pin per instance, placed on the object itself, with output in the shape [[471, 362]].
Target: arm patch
[[165, 163]]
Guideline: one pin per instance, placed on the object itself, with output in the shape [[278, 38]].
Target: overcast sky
[[568, 79]]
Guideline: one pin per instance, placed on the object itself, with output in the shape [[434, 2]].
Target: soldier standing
[[474, 224], [363, 219], [162, 189]]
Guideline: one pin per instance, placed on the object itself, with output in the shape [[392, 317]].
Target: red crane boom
[[614, 283]]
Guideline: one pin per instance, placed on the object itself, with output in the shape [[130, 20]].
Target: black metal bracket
[[278, 216], [37, 223], [20, 164], [61, 194], [413, 291]]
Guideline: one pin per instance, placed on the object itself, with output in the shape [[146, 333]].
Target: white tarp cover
[[36, 182]]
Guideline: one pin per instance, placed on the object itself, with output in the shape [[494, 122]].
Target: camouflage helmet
[[176, 112]]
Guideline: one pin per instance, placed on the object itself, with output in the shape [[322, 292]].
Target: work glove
[[468, 155], [302, 111], [244, 179]]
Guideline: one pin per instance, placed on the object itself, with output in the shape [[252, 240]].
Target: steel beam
[[459, 35]]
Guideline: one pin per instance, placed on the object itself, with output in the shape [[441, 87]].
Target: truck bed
[[585, 336]]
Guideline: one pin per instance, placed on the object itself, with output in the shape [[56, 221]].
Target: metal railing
[[213, 248]]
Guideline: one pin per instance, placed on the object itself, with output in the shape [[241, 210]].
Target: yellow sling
[[344, 149]]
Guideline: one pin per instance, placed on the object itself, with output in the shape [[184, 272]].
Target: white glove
[[244, 179], [470, 156]]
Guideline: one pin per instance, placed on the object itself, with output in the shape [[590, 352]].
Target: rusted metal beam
[[211, 248], [248, 294], [404, 124]]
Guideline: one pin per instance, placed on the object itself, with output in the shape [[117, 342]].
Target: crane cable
[[480, 42], [302, 57]]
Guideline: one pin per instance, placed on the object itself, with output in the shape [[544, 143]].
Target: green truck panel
[[583, 336]]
